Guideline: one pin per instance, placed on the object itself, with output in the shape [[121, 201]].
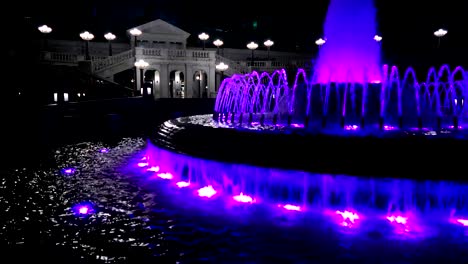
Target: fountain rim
[[404, 156]]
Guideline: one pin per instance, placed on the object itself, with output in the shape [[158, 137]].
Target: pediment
[[161, 27]]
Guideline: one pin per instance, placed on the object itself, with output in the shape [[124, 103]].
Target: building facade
[[170, 68]]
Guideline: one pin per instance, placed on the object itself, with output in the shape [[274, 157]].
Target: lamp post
[[45, 30], [109, 36], [86, 36], [203, 37], [252, 46], [135, 32], [320, 42], [221, 67], [439, 34], [141, 64], [268, 44], [218, 43]]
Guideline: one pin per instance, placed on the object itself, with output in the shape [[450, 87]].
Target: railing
[[234, 66], [58, 57], [112, 60]]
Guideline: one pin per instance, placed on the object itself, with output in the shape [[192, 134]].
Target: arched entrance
[[200, 84], [176, 84], [152, 84]]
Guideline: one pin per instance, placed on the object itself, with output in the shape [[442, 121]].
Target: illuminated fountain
[[347, 92], [348, 88]]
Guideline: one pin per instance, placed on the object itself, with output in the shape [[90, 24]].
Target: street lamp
[[320, 42], [45, 30], [252, 46], [203, 37], [135, 32], [218, 43], [439, 34], [109, 36], [268, 44], [221, 67], [86, 36], [141, 64]]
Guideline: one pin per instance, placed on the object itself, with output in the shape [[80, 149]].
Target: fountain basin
[[416, 154]]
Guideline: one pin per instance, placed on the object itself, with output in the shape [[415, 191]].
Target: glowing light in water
[[243, 198], [464, 222], [351, 127], [182, 184], [297, 125], [165, 175], [68, 171], [83, 209], [349, 218], [398, 219], [104, 150], [153, 169], [142, 164], [351, 55], [207, 191], [291, 207]]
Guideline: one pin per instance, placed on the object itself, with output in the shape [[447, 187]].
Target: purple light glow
[[207, 191], [243, 198], [165, 175], [182, 184], [464, 222], [387, 128], [297, 125], [350, 55], [291, 207], [68, 171], [286, 189], [153, 169], [142, 164], [83, 209], [398, 219], [104, 150], [351, 127], [348, 218]]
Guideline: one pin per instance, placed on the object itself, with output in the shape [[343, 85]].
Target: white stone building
[[174, 70]]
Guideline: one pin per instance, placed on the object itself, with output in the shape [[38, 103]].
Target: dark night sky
[[407, 26]]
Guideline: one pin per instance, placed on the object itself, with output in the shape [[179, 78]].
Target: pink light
[[398, 219], [386, 127], [291, 207], [243, 198], [144, 158], [142, 164], [464, 222], [207, 191], [183, 184], [68, 171], [348, 217], [153, 169], [166, 176], [297, 125], [376, 81], [83, 210], [351, 127]]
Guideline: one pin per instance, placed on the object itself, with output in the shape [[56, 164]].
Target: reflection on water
[[135, 202]]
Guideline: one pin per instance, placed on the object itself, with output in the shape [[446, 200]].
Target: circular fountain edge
[[404, 155]]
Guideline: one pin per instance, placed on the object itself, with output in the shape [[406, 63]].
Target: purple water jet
[[350, 54]]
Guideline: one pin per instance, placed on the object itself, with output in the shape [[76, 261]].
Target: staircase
[[109, 66]]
